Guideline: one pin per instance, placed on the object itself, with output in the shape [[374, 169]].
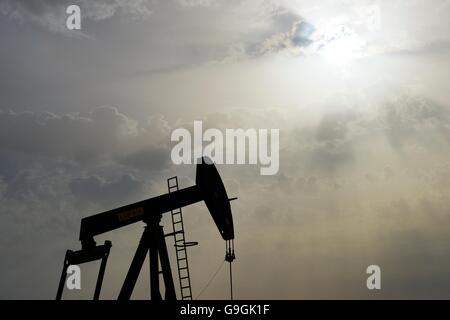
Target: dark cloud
[[66, 160], [99, 191], [102, 135]]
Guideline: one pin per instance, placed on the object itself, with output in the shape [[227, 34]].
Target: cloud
[[151, 159], [97, 190], [98, 152], [343, 194], [196, 3], [51, 14], [55, 169], [412, 119], [372, 28], [361, 181], [71, 137], [291, 41]]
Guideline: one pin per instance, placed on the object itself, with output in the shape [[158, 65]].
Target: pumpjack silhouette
[[208, 188]]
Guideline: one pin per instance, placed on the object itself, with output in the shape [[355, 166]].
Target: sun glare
[[339, 45]]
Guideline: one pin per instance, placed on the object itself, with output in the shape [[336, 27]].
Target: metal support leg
[[135, 268], [101, 271], [153, 242], [165, 265], [62, 280], [153, 255]]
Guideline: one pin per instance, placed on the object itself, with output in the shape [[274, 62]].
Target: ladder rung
[[171, 234], [186, 287], [182, 278], [183, 268]]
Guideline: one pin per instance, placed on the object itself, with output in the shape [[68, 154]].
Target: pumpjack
[[208, 188]]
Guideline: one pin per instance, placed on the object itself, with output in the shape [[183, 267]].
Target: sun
[[339, 45]]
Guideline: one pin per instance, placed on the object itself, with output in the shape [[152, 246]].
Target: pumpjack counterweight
[[209, 188]]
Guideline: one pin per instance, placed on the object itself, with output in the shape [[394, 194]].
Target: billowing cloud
[[70, 137], [77, 148], [332, 195]]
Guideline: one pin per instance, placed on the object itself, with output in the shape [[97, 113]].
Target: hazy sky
[[358, 89]]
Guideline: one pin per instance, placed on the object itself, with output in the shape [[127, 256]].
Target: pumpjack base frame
[[83, 256], [152, 241]]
